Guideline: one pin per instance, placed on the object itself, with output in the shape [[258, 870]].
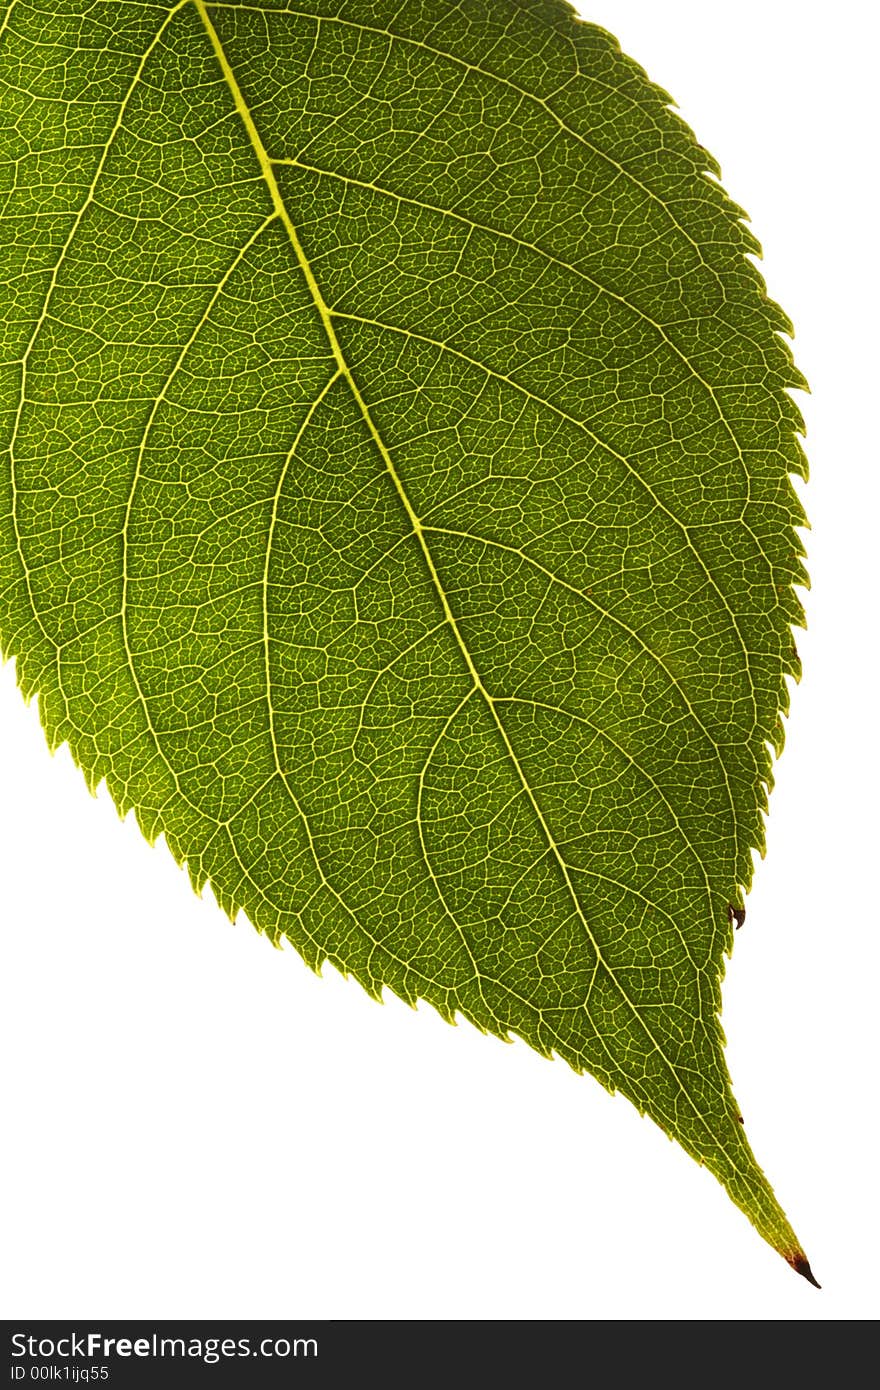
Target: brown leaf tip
[[802, 1265]]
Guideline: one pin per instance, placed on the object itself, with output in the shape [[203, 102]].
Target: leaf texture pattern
[[396, 506]]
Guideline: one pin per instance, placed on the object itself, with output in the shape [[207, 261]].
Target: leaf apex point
[[801, 1265]]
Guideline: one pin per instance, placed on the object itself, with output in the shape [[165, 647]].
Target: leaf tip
[[801, 1265]]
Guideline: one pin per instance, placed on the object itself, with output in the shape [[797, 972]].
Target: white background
[[198, 1126]]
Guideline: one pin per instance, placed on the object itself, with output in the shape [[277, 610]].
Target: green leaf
[[396, 507]]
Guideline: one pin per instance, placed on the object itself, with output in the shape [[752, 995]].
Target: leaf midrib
[[345, 370]]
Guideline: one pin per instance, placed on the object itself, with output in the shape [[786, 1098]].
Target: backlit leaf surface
[[395, 503]]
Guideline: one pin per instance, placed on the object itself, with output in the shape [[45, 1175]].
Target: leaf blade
[[427, 710]]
